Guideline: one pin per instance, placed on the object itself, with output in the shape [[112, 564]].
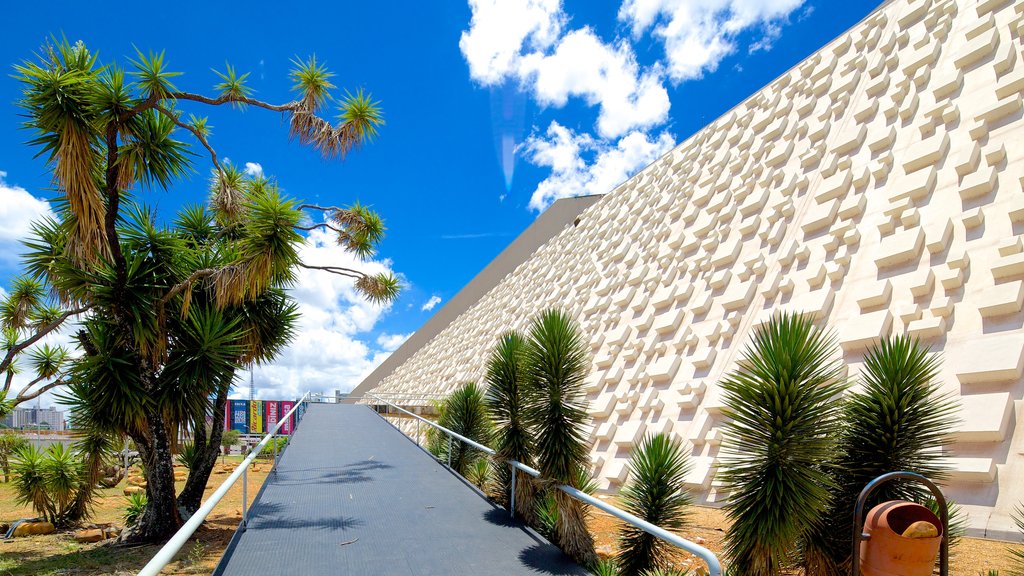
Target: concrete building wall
[[556, 218], [876, 185]]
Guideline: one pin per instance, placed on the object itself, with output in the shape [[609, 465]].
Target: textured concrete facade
[[877, 185]]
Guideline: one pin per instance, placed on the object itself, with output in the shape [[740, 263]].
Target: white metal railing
[[714, 566], [164, 556]]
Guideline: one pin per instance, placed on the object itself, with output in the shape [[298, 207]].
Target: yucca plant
[[606, 568], [136, 506], [30, 480], [465, 413], [187, 455], [898, 421], [782, 404], [437, 441], [656, 493], [479, 473], [50, 481], [556, 411], [507, 391], [545, 507]]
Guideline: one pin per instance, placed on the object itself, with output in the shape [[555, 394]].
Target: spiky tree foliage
[[556, 411], [465, 413], [10, 442], [167, 313], [899, 420], [507, 389], [782, 404], [50, 481], [656, 493]]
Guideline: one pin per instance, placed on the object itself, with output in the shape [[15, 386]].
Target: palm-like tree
[[507, 391], [168, 314], [656, 493], [782, 402], [465, 413], [557, 411], [898, 420]]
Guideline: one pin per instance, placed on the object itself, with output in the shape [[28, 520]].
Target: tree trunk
[[161, 519], [207, 450]]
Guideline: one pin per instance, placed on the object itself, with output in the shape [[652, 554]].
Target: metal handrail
[[709, 558], [164, 556]]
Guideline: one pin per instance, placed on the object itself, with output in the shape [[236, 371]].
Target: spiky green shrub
[[10, 442], [556, 411], [899, 420], [479, 473], [507, 391], [49, 481], [465, 413], [1017, 554], [782, 404], [187, 454], [136, 505], [437, 441], [606, 568], [656, 493]]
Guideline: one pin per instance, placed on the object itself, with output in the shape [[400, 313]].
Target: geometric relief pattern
[[876, 185]]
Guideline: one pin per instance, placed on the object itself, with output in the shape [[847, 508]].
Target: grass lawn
[[59, 554]]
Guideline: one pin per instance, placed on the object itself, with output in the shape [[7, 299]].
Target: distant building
[[32, 418]]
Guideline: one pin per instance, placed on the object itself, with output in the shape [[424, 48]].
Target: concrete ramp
[[352, 495]]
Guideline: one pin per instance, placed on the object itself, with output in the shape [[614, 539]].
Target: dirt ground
[[59, 554], [970, 557]]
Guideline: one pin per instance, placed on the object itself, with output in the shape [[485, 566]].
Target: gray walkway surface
[[353, 495]]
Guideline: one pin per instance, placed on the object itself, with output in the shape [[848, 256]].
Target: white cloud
[[391, 342], [604, 75], [18, 209], [582, 165], [431, 303], [522, 41], [253, 169], [333, 348], [500, 29], [697, 34]]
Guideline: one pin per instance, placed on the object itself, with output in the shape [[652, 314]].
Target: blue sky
[[493, 107]]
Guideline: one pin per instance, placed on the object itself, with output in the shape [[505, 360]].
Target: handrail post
[[274, 465], [245, 497], [418, 433], [512, 497], [449, 452]]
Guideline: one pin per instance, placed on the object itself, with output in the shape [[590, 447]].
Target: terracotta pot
[[887, 552]]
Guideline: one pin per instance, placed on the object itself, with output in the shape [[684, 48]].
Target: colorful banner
[[240, 415], [286, 428], [270, 413], [255, 417]]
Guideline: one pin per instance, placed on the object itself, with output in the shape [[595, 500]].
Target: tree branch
[[177, 288], [113, 204], [195, 132], [38, 392], [321, 225], [336, 270], [153, 101], [17, 348]]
